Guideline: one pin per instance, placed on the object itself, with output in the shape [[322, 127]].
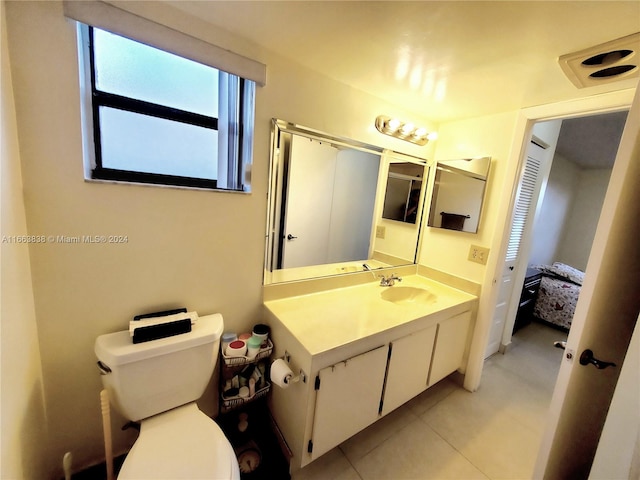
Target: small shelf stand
[[235, 366]]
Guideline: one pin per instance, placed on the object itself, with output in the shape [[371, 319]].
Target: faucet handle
[[389, 281]]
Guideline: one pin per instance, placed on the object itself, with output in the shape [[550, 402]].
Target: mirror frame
[[276, 173]]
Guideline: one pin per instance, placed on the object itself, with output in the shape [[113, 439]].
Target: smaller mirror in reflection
[[402, 195], [458, 194]]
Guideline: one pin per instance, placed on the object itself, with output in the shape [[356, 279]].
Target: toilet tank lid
[[118, 348]]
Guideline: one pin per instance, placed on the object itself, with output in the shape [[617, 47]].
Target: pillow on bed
[[542, 268], [566, 271]]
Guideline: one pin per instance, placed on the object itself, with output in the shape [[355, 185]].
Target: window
[[155, 117]]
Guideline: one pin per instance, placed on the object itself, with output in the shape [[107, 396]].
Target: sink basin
[[407, 295]]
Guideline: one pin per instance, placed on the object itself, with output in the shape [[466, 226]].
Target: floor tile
[[432, 396], [490, 438], [332, 465], [362, 443], [415, 452]]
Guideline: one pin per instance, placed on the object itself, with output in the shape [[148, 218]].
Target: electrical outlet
[[478, 254], [380, 231]]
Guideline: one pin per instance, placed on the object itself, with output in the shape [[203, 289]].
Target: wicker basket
[[233, 402], [236, 361]]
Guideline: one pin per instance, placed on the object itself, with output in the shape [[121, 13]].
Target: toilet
[[157, 384]]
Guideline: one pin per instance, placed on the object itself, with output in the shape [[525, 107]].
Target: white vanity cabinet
[[347, 399], [360, 357], [408, 367]]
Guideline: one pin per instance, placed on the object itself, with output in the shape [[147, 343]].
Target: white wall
[[185, 247], [491, 136], [556, 204], [352, 207], [583, 219], [23, 425], [566, 224], [447, 250]]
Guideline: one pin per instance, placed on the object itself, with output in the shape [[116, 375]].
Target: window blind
[[116, 20]]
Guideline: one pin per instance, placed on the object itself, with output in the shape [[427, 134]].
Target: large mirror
[[326, 200], [458, 194]]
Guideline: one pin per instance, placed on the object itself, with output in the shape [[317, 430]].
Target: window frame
[[93, 138]]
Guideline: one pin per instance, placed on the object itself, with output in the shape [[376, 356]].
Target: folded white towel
[[193, 316]]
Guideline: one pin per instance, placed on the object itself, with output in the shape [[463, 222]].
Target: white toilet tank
[[152, 377]]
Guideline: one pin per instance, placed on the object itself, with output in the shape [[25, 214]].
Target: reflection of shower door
[[309, 196]]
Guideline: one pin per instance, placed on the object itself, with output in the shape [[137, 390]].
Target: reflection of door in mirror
[[402, 195], [329, 204]]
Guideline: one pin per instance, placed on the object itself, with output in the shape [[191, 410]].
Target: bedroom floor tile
[[447, 432]]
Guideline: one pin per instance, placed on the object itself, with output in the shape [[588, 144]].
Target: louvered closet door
[[526, 200]]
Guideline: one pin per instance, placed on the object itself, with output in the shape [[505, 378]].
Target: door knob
[[560, 344], [291, 237], [587, 358]]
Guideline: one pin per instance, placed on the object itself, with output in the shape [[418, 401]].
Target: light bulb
[[393, 124], [420, 132], [407, 128]]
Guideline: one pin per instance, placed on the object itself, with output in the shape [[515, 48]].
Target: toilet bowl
[[180, 444], [157, 383]]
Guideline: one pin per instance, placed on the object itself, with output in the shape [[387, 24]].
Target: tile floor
[[449, 433]]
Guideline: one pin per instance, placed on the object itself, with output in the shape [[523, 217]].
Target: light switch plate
[[380, 231], [478, 254]]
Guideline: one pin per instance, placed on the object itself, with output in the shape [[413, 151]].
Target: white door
[[312, 167], [348, 399], [618, 454], [605, 317], [526, 201], [450, 344], [408, 368]]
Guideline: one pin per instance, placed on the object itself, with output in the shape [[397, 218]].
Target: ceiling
[[591, 142], [443, 60]]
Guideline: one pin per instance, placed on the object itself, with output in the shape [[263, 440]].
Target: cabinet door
[[348, 399], [408, 368], [451, 341]]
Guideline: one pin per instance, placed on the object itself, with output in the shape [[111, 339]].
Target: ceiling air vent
[[606, 63]]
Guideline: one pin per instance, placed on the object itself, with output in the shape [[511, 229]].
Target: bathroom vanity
[[361, 351]]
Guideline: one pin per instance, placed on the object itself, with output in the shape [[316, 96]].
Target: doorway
[[583, 334], [556, 243]]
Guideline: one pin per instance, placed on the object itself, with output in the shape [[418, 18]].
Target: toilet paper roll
[[281, 374]]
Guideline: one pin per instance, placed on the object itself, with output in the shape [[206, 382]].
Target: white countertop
[[330, 319]]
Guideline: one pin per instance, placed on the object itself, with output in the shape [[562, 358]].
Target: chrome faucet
[[389, 281], [368, 268]]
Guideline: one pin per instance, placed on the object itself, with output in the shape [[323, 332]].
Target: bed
[[558, 294]]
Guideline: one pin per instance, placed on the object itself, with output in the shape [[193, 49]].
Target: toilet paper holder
[[301, 376]]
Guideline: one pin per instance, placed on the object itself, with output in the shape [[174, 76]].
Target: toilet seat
[[182, 443]]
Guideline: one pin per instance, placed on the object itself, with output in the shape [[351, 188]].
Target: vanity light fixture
[[404, 130]]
